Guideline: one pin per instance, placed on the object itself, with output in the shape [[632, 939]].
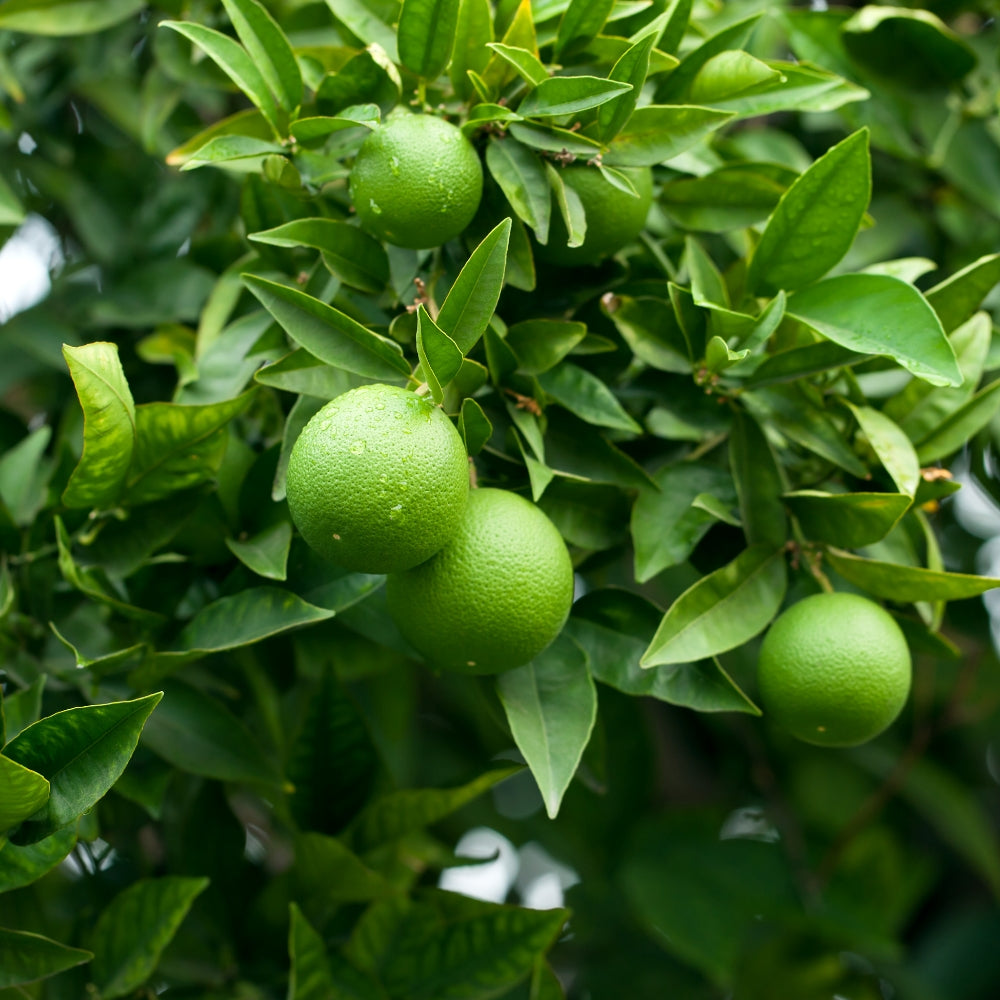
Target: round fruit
[[614, 217], [416, 181], [378, 479], [834, 670], [495, 596]]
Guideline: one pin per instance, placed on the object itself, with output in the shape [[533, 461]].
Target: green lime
[[378, 479], [614, 217], [834, 669], [416, 181], [495, 596]]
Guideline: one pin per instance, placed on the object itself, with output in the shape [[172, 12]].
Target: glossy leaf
[[311, 975], [758, 482], [269, 48], [960, 426], [360, 20], [587, 396], [330, 872], [469, 304], [905, 584], [722, 610], [526, 63], [522, 179], [816, 220], [20, 866], [580, 24], [891, 446], [665, 526], [426, 35], [23, 476], [541, 344], [109, 425], [851, 520], [22, 793], [473, 33], [657, 133], [440, 357], [177, 447], [956, 298], [474, 426], [317, 127], [82, 752], [569, 95], [327, 333], [133, 930], [631, 67], [66, 17], [21, 709], [728, 74], [728, 198], [351, 254], [551, 707], [876, 314], [266, 553], [26, 957]]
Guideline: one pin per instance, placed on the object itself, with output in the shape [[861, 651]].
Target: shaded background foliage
[[702, 855]]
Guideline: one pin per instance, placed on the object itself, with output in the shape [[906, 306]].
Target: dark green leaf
[[312, 129], [82, 752], [799, 362], [469, 304], [542, 343], [266, 553], [522, 179], [722, 610], [731, 197], [891, 446], [327, 871], [66, 17], [358, 17], [758, 482], [851, 520], [581, 24], [427, 35], [569, 95], [23, 474], [631, 67], [20, 866], [22, 793], [727, 75], [876, 314], [269, 48], [327, 333], [815, 222], [960, 426], [526, 63], [473, 33], [301, 373], [474, 426], [440, 357], [551, 707], [26, 958], [22, 709], [956, 298], [587, 396], [358, 259], [108, 425], [132, 931]]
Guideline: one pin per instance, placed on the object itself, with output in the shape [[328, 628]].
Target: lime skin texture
[[378, 480], [495, 596], [417, 181], [834, 670], [614, 217]]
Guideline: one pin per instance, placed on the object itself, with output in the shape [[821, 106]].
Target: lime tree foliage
[[716, 294]]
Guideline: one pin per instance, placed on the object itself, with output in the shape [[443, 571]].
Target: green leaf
[[526, 63], [891, 446], [244, 618], [317, 127], [12, 212], [473, 34], [359, 260], [241, 153], [266, 553], [631, 67], [82, 752], [956, 298], [22, 709], [551, 707], [799, 362], [393, 815], [732, 197], [906, 584], [851, 520], [23, 475], [426, 35], [20, 866], [26, 958], [657, 133], [569, 95], [469, 304], [178, 447], [66, 17], [198, 734], [960, 426], [522, 179], [22, 793], [440, 357], [722, 610], [312, 974], [616, 626], [327, 333], [108, 425], [876, 314], [650, 328], [581, 24], [234, 61], [728, 74], [269, 49], [329, 872], [816, 220], [357, 16], [758, 482], [133, 930], [587, 396], [540, 344], [570, 206], [303, 374], [474, 426], [665, 526]]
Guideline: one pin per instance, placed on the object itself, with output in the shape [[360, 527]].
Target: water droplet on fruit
[[374, 207], [357, 447]]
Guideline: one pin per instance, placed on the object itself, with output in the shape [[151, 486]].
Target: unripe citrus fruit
[[614, 217], [834, 670], [378, 479], [495, 596], [416, 181]]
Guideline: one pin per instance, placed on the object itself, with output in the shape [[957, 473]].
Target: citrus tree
[[371, 330]]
